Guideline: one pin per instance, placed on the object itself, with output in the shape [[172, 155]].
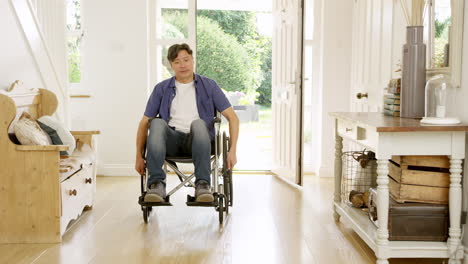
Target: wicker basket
[[359, 173]]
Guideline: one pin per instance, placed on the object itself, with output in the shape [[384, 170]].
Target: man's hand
[[231, 116], [231, 159], [142, 133], [140, 165]]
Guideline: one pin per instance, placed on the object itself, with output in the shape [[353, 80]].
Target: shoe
[[156, 193], [203, 192]]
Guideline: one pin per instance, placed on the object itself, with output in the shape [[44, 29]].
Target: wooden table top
[[384, 123]]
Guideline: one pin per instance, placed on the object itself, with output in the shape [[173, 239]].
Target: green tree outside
[[229, 50], [242, 25], [441, 39], [222, 58]]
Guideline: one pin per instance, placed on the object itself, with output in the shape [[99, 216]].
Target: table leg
[[455, 207], [338, 171], [382, 210]]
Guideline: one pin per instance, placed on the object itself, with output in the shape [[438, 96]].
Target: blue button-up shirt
[[208, 95]]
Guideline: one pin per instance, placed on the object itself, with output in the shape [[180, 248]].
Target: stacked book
[[392, 104], [392, 98]]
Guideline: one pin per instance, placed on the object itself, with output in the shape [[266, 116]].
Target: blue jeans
[[163, 140]]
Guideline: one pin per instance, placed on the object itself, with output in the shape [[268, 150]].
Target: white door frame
[[155, 67]]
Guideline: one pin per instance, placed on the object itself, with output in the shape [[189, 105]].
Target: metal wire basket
[[359, 173]]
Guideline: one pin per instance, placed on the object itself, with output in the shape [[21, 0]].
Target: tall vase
[[413, 74]]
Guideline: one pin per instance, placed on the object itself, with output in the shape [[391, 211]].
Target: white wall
[[115, 72], [16, 61], [336, 73]]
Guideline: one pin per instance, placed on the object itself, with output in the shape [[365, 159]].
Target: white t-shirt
[[184, 107]]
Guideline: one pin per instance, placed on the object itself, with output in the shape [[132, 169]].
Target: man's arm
[[231, 116], [142, 134]]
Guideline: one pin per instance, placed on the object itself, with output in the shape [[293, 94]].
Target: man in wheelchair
[[179, 115]]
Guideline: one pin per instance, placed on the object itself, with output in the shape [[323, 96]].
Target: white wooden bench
[[38, 199]]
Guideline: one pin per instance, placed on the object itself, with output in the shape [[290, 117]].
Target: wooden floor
[[271, 222]]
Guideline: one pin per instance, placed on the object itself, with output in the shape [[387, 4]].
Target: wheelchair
[[221, 178]]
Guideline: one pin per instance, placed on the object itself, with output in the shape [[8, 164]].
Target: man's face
[[183, 66]]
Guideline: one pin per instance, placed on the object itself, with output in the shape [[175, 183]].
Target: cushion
[[28, 131], [13, 138], [58, 133], [56, 140]]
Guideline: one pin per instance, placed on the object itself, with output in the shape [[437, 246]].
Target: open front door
[[287, 89]]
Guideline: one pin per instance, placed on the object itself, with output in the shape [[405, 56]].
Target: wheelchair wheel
[[143, 183], [227, 174], [146, 212], [221, 209], [225, 150], [228, 187], [226, 202], [226, 206]]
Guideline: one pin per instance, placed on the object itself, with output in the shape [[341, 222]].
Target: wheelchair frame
[[221, 179]]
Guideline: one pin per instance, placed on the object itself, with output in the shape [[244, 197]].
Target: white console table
[[388, 136]]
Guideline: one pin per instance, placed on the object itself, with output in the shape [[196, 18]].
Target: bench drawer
[[77, 192], [89, 185], [71, 190]]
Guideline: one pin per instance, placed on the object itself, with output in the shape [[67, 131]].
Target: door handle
[[361, 95]]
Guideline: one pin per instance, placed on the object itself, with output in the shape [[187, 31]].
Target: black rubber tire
[[225, 151], [142, 183], [221, 209], [145, 214], [227, 177], [228, 188], [226, 202], [227, 174], [226, 206]]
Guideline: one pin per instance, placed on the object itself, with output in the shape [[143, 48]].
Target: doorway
[[233, 44]]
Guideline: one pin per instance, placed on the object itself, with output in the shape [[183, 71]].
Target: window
[[442, 16], [74, 40]]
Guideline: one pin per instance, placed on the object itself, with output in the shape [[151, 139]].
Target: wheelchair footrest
[[142, 202], [192, 202]]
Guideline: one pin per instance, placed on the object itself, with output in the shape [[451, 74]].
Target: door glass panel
[[308, 107], [172, 19], [234, 49], [308, 20]]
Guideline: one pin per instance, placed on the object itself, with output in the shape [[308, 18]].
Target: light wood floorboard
[[271, 222]]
